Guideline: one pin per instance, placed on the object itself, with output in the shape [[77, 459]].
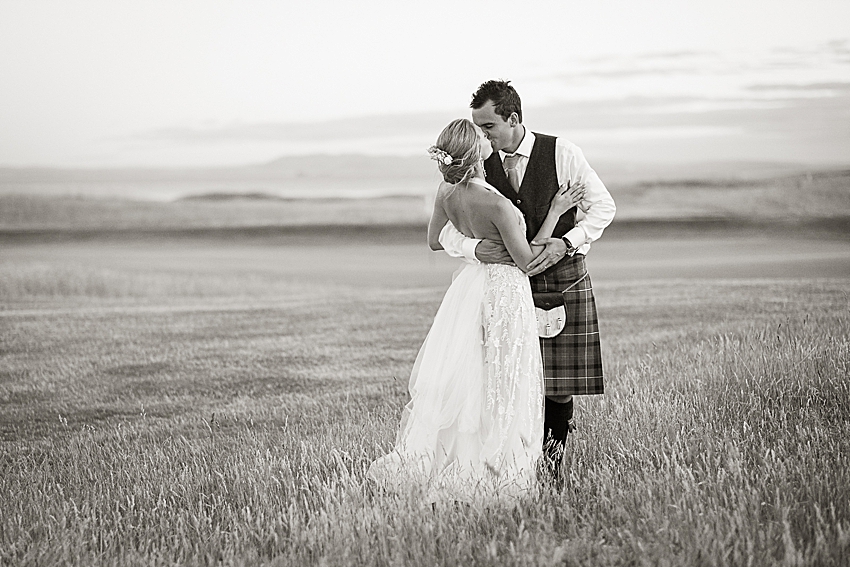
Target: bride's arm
[[564, 200]]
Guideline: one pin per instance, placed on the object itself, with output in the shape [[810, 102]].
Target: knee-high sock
[[556, 426]]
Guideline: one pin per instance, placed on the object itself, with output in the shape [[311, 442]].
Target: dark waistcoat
[[539, 185]]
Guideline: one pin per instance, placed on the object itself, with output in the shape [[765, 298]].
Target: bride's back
[[472, 208]]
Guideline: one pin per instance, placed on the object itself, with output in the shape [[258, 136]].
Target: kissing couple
[[516, 335]]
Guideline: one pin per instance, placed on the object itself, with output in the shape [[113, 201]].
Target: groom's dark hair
[[503, 96]]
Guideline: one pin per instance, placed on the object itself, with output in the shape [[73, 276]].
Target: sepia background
[[214, 277]]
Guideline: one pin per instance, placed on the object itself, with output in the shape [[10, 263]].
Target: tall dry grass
[[27, 281], [242, 436]]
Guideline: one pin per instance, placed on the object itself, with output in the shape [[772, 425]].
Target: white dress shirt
[[595, 211]]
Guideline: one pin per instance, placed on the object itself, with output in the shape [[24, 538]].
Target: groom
[[529, 168]]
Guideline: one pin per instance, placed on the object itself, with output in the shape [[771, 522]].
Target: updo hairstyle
[[460, 141]]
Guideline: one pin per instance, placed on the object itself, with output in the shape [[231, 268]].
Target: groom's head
[[497, 109]]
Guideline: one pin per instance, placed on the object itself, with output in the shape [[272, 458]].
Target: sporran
[[551, 311]]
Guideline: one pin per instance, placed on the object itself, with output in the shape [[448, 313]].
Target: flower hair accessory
[[439, 155]]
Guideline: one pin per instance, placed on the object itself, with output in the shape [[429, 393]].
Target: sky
[[189, 83]]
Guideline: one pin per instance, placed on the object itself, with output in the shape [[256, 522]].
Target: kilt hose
[[572, 360]]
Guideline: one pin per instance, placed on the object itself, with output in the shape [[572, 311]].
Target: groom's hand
[[493, 252], [555, 249]]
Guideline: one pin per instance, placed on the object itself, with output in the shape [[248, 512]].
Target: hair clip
[[442, 156]]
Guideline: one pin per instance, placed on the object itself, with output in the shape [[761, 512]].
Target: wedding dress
[[474, 423]]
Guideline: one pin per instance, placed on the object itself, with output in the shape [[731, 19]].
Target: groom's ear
[[513, 119]]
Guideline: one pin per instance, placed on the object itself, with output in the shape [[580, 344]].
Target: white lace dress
[[474, 424]]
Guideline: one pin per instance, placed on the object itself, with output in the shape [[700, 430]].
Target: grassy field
[[217, 400], [206, 381]]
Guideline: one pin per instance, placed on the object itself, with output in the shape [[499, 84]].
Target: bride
[[474, 423]]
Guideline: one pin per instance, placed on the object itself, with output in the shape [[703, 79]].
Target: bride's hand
[[567, 198]]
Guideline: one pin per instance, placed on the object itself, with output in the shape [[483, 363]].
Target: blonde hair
[[461, 142]]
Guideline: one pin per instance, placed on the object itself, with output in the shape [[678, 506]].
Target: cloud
[[345, 129], [841, 47], [663, 129], [826, 87], [785, 104], [653, 63]]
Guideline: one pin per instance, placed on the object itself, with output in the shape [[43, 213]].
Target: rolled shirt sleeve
[[597, 208], [457, 244]]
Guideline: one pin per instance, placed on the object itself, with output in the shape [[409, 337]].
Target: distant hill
[[301, 177], [284, 168], [334, 176], [819, 199]]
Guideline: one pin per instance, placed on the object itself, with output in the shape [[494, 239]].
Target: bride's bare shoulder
[[491, 199], [474, 194], [486, 204]]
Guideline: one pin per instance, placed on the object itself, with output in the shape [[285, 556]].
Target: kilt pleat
[[572, 360]]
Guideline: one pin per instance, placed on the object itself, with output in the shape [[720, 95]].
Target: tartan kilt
[[572, 360]]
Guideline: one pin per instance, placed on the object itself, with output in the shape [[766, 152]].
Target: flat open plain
[[216, 395]]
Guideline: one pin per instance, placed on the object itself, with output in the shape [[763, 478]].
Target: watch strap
[[570, 248]]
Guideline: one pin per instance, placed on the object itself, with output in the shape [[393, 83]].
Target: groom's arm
[[597, 204], [458, 245], [597, 207]]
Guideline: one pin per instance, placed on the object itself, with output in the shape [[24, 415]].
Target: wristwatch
[[570, 248]]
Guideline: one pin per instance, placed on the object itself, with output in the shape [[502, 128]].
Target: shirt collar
[[525, 146]]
